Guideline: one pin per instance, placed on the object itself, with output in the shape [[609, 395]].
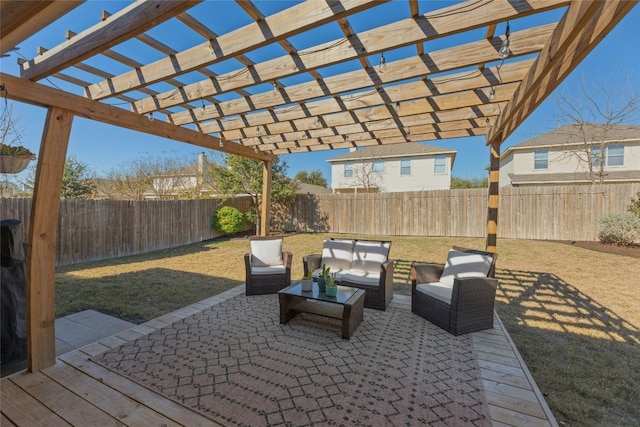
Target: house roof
[[395, 150], [572, 177], [573, 134], [305, 188]]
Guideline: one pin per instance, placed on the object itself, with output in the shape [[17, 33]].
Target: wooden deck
[[76, 391]]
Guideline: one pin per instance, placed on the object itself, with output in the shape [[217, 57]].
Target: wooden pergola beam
[[392, 36], [133, 19], [584, 25], [41, 252], [20, 20], [250, 37], [34, 93]]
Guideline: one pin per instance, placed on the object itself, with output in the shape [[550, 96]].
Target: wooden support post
[[41, 252], [265, 216], [492, 212]]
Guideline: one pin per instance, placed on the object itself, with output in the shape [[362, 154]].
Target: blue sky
[[104, 147]]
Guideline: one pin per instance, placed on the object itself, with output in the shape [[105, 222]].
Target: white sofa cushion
[[464, 264], [437, 290], [368, 256], [265, 253], [337, 254], [272, 269], [361, 278]]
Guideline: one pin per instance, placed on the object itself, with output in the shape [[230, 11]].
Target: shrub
[[620, 229], [634, 207], [228, 220]]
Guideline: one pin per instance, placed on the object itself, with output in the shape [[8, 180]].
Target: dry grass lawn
[[572, 312]]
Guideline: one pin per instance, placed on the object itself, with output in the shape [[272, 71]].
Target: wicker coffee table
[[347, 305]]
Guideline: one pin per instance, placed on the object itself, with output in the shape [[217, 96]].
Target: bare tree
[[365, 176], [156, 177], [593, 113], [11, 132]]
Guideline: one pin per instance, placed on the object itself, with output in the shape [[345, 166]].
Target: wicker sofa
[[267, 266], [458, 296], [362, 264]]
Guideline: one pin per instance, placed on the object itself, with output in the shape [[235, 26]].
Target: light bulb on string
[[383, 64], [504, 51]]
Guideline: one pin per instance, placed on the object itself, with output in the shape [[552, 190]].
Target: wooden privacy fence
[[100, 229], [567, 212]]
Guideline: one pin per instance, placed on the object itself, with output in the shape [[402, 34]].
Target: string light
[[492, 94], [397, 107], [202, 109], [150, 116], [383, 64], [255, 149], [257, 131], [275, 88], [220, 144], [504, 51]]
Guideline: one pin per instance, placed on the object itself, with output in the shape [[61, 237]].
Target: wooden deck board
[[110, 400], [24, 410], [53, 395], [513, 397]]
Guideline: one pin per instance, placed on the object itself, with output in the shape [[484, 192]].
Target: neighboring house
[[188, 179], [392, 168], [563, 155]]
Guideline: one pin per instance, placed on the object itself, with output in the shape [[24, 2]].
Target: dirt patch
[[632, 251]]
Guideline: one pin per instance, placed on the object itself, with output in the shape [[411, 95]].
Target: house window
[[541, 159], [378, 166], [348, 170], [405, 166], [440, 165], [615, 155]]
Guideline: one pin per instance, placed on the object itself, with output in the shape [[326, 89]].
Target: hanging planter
[[14, 159]]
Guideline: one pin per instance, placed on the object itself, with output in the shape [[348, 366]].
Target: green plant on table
[[308, 276], [325, 272], [331, 280]]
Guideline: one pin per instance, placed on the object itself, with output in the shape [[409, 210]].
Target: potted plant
[[331, 288], [14, 159], [307, 282], [322, 279]]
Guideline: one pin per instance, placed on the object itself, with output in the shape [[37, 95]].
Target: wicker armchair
[[458, 296], [267, 267]]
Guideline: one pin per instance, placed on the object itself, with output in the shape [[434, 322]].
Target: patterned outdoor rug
[[236, 364]]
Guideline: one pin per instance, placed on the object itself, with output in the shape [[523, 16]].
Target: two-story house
[[191, 179], [392, 168], [563, 157]]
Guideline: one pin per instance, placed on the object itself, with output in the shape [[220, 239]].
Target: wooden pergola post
[[493, 197], [265, 217], [43, 228]]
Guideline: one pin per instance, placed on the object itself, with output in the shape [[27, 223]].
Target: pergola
[[312, 75]]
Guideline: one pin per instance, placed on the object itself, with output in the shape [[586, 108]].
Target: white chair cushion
[[265, 253], [337, 254], [464, 264], [436, 290], [272, 269], [361, 278], [368, 256]]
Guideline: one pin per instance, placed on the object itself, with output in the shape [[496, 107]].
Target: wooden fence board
[[98, 229]]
